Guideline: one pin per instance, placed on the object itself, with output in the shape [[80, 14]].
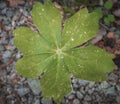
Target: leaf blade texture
[[53, 50]]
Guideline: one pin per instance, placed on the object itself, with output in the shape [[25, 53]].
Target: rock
[[37, 101], [45, 101], [83, 82], [91, 84], [0, 30], [79, 95], [31, 99], [18, 55], [75, 86], [2, 5], [104, 85], [7, 54], [71, 97], [3, 34], [111, 91], [113, 78], [113, 29], [7, 28], [87, 98], [117, 12], [111, 35], [97, 98], [25, 13], [22, 91], [74, 80], [15, 3], [6, 21], [76, 101], [118, 99], [9, 13], [3, 12], [34, 85], [118, 87], [1, 47], [85, 102], [23, 100], [82, 90], [90, 91], [117, 33], [12, 76], [102, 32]]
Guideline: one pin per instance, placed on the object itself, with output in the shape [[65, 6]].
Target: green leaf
[[106, 21], [68, 10], [99, 12], [111, 18], [48, 24], [32, 45], [76, 30], [53, 50], [86, 62], [56, 81], [108, 4]]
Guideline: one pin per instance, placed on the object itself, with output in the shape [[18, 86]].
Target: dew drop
[[42, 9], [85, 32], [72, 39]]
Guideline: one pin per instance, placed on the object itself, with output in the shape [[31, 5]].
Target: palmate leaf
[[53, 50]]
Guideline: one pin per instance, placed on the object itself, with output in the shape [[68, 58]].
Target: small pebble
[[118, 99], [76, 101], [83, 82], [6, 54], [111, 91], [111, 35], [118, 87], [37, 101], [9, 13], [23, 91], [91, 84], [1, 47], [117, 33], [104, 85], [117, 12], [45, 101], [79, 95], [87, 98], [34, 85], [2, 5], [71, 97]]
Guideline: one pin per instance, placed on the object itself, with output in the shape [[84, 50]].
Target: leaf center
[[58, 51]]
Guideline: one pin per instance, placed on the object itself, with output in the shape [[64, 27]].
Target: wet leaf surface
[[53, 50]]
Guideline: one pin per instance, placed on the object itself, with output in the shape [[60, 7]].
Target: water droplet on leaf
[[42, 9], [72, 39]]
